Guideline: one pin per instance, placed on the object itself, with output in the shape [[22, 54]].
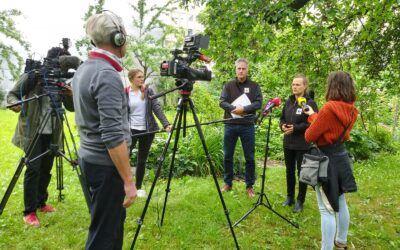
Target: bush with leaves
[[190, 158], [363, 145]]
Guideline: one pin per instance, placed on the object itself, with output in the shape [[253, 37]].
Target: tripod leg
[[157, 175], [60, 177], [74, 163], [167, 190], [12, 184], [247, 214], [262, 193], [268, 205], [200, 132]]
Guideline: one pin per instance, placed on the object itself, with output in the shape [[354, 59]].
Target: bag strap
[[339, 140]]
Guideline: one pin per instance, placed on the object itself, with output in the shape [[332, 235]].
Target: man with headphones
[[101, 113]]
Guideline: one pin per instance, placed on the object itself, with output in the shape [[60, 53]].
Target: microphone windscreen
[[301, 101], [69, 62], [277, 101]]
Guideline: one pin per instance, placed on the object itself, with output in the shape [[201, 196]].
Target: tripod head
[[185, 85]]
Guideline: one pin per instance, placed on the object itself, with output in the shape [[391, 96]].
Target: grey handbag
[[314, 168]]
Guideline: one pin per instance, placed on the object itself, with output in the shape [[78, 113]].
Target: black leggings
[[145, 142], [294, 158]]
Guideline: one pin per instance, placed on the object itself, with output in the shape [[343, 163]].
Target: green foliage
[[206, 102], [285, 37], [10, 59], [2, 95], [83, 45], [190, 158], [361, 145], [153, 38], [365, 145]]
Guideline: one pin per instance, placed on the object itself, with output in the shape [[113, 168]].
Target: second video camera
[[179, 66]]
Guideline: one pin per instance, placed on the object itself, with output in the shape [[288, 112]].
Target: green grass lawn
[[194, 218]]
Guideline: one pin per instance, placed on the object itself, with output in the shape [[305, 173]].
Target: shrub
[[363, 145], [190, 158]]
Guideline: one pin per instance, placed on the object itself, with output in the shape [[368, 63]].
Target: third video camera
[[179, 66]]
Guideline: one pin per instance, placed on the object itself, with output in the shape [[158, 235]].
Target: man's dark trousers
[[246, 133], [106, 229]]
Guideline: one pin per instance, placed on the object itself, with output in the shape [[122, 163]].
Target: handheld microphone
[[302, 102], [274, 102]]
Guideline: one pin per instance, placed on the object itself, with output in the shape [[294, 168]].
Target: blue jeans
[[329, 221], [246, 133]]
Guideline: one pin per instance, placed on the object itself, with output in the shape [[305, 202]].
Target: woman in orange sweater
[[329, 129]]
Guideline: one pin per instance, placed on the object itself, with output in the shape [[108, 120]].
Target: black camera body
[[54, 70], [179, 66]]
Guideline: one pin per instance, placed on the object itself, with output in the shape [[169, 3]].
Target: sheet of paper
[[242, 100]]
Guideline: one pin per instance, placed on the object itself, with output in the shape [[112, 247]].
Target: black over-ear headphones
[[118, 38]]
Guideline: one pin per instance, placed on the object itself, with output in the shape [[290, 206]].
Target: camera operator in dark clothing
[[37, 175], [293, 123], [242, 128]]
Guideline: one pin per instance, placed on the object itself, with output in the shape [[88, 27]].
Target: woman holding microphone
[[329, 129]]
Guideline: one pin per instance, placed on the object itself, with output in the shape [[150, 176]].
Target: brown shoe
[[226, 188], [340, 246], [250, 192]]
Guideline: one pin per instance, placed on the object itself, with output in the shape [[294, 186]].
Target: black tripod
[[262, 193], [184, 104], [56, 115]]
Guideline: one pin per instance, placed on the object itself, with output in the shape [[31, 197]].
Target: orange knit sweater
[[327, 125]]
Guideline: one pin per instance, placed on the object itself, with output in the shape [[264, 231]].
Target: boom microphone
[[302, 102], [69, 62]]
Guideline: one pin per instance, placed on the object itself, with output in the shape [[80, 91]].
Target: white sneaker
[[141, 193]]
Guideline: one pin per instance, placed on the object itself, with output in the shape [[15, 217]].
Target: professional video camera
[[55, 69], [179, 66]]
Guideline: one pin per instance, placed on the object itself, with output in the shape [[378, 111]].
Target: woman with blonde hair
[[141, 119], [293, 123]]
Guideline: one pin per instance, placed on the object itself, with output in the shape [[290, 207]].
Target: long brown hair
[[340, 86], [131, 75]]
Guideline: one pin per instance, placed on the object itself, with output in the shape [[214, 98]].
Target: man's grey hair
[[241, 60], [100, 26]]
